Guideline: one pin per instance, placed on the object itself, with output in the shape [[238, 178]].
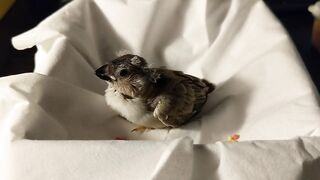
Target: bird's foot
[[141, 129]]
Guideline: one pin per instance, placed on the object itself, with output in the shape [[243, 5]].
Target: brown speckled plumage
[[172, 97]]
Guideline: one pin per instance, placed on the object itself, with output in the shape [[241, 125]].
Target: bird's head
[[126, 74]]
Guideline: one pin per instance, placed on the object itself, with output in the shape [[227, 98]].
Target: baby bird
[[152, 97]]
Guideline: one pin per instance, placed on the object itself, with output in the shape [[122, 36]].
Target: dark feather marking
[[126, 96]]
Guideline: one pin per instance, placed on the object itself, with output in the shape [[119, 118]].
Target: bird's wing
[[182, 96]]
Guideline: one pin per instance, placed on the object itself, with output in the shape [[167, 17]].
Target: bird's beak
[[102, 73]]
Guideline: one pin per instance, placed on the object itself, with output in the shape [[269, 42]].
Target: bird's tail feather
[[209, 85]]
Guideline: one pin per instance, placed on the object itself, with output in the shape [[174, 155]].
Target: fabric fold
[[55, 124]]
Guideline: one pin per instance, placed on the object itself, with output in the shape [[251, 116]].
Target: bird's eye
[[124, 72]]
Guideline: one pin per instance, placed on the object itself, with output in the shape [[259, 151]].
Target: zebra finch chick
[[152, 97]]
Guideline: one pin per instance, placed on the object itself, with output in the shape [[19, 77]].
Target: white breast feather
[[132, 109]]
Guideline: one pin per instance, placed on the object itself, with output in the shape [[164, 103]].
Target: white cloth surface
[[54, 123]]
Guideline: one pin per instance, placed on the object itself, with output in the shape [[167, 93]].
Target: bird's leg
[[141, 129]]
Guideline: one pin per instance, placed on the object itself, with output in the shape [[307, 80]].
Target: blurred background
[[21, 15]]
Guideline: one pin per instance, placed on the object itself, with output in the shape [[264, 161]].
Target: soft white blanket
[[54, 123]]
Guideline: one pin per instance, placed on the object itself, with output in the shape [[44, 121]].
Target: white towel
[[54, 123]]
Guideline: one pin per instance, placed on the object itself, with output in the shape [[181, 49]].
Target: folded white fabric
[[263, 93]]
